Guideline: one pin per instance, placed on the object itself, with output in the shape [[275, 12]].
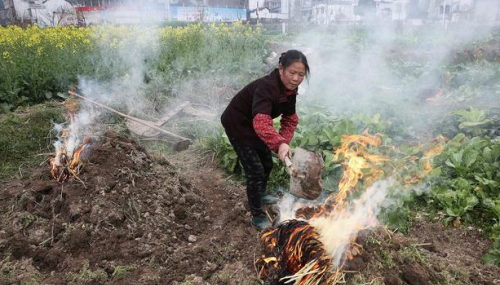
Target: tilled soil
[[420, 259], [127, 219], [131, 218]]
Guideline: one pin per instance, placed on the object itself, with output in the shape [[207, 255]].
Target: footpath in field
[[136, 218]]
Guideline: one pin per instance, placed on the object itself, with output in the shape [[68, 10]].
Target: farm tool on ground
[[143, 127]]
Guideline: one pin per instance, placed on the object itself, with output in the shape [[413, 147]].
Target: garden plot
[[140, 219], [116, 214]]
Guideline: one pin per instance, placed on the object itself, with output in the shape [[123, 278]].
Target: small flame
[[435, 98], [73, 140], [67, 159], [436, 150], [75, 162], [62, 167]]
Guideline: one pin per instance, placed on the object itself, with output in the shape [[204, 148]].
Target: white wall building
[[44, 13], [334, 11], [269, 9], [391, 9], [452, 10]]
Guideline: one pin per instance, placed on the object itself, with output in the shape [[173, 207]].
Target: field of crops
[[425, 101], [37, 64], [419, 102]]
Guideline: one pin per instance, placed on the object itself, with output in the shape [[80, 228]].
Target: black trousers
[[257, 165]]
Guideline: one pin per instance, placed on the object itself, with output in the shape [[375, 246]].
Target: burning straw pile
[[73, 143], [314, 250], [65, 164], [298, 254]]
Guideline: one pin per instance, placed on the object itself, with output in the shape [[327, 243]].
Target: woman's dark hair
[[292, 56]]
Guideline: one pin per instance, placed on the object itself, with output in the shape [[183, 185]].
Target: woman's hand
[[284, 151]]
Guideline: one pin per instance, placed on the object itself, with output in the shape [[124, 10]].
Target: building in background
[[157, 12], [392, 9], [487, 11], [453, 10], [268, 10], [327, 12], [122, 14], [6, 12], [88, 12], [44, 13], [417, 11], [3, 16], [320, 12]]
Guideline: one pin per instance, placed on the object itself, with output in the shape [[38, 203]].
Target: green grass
[[413, 253], [87, 276], [27, 219], [24, 134], [122, 271], [387, 259]]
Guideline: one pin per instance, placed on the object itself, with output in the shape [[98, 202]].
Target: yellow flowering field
[[37, 63]]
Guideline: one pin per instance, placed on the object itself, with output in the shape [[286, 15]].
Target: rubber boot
[[261, 222]]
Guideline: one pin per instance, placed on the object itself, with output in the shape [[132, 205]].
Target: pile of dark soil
[[430, 254], [128, 219]]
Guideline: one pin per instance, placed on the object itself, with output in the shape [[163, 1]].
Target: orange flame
[[426, 161], [62, 167], [57, 164], [436, 150], [300, 250], [75, 162], [302, 256], [436, 97], [355, 156]]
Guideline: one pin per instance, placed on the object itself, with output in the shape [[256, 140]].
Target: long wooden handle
[[129, 117]]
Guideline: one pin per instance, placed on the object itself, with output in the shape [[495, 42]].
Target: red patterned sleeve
[[263, 126], [288, 126]]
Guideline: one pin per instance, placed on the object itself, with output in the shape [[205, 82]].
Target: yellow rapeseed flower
[[6, 55]]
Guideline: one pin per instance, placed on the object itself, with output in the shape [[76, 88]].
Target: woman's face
[[293, 75]]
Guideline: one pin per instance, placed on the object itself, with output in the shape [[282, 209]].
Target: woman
[[248, 122]]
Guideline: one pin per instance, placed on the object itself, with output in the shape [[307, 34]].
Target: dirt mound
[[421, 258], [391, 259], [123, 212]]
